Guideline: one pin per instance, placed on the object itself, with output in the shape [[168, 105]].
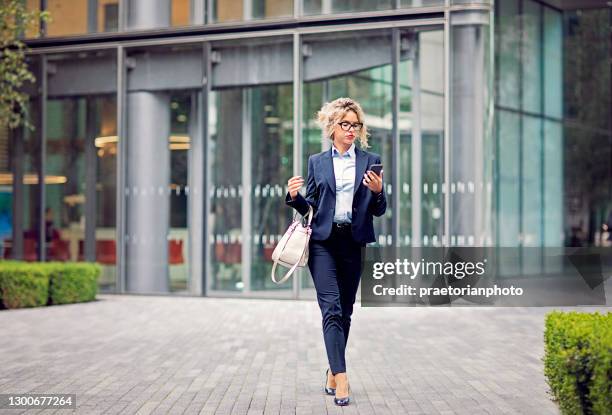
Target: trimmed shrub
[[27, 284], [23, 285], [73, 282], [578, 361]]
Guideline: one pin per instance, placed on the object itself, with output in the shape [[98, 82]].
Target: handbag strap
[[292, 269], [287, 275], [308, 214]]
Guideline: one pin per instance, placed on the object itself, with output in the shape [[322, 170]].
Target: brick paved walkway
[[154, 354]]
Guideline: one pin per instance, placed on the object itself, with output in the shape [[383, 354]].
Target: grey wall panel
[[253, 65], [165, 70], [332, 57], [82, 76]]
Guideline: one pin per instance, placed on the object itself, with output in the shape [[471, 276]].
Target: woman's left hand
[[373, 181]]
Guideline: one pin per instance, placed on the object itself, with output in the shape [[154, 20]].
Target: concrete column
[[198, 12], [147, 192], [144, 14]]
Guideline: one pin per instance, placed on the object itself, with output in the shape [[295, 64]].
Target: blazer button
[[354, 209]]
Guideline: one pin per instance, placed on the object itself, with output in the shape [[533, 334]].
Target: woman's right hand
[[294, 184]]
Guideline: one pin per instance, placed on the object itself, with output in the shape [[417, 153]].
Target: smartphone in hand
[[376, 168]]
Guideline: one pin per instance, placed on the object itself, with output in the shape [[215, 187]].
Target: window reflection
[[26, 154], [179, 144], [368, 82], [251, 160], [421, 123], [164, 185], [80, 164], [553, 141]]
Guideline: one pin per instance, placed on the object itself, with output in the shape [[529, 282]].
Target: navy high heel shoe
[[343, 401], [329, 391]]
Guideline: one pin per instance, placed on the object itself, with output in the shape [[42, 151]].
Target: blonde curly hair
[[332, 112]]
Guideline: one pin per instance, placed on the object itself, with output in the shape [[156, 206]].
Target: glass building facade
[[164, 137]]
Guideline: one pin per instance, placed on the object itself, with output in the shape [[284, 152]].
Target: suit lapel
[[361, 163], [327, 165]]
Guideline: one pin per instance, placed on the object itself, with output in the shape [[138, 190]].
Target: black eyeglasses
[[346, 126]]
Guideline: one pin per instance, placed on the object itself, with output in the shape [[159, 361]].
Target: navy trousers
[[336, 265]]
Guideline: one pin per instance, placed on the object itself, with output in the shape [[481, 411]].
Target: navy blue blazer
[[321, 195]]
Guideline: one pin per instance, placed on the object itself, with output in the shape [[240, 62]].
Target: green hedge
[[27, 284], [23, 285], [578, 361], [73, 283]]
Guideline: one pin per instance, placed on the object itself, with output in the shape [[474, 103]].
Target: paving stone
[[131, 354]]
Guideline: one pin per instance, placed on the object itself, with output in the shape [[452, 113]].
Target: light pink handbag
[[292, 249]]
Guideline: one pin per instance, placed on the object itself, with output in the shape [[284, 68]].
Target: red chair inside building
[[229, 253], [268, 250], [106, 251], [29, 249], [175, 252], [59, 250], [8, 248]]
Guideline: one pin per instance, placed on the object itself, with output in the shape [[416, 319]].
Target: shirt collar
[[349, 153]]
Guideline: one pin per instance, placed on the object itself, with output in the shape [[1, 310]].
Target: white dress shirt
[[344, 171]]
